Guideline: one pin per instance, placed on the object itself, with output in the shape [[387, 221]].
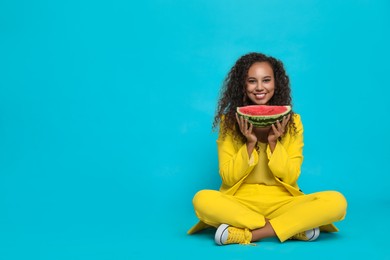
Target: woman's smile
[[259, 96]]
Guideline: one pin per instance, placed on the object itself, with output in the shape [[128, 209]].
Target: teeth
[[260, 95]]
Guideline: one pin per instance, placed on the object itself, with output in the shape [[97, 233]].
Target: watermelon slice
[[262, 115]]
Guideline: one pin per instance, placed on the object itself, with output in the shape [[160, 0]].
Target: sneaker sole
[[315, 235], [218, 234]]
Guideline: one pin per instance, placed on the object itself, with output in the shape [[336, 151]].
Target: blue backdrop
[[106, 110]]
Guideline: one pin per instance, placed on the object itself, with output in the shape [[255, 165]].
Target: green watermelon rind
[[264, 121]]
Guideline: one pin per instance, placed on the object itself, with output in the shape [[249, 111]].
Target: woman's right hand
[[246, 129]]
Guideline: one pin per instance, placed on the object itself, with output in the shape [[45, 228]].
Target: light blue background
[[106, 110]]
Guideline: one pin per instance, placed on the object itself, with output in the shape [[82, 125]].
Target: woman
[[259, 167]]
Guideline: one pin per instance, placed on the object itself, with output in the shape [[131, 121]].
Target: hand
[[278, 129], [246, 129]]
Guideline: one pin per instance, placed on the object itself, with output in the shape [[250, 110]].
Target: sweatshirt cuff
[[253, 158]]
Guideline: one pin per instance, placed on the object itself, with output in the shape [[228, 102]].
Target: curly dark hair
[[233, 94]]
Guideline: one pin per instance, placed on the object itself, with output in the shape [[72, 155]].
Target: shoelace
[[239, 236]]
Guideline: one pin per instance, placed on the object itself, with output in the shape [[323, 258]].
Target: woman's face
[[260, 83]]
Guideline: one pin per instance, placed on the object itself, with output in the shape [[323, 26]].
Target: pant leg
[[306, 212], [214, 208]]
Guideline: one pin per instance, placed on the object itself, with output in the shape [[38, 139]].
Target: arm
[[234, 160], [286, 157]]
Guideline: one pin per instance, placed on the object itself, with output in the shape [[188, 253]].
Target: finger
[[274, 129], [286, 119], [279, 125], [243, 127], [250, 128], [247, 124], [284, 122]]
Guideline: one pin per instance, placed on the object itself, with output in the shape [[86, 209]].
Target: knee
[[338, 203], [202, 198]]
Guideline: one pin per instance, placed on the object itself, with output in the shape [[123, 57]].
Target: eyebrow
[[256, 78]]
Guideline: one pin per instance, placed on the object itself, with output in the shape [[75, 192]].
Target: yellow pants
[[252, 203]]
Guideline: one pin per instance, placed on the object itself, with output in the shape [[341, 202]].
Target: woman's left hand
[[278, 130]]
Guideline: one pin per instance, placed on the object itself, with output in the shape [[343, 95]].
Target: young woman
[[259, 167]]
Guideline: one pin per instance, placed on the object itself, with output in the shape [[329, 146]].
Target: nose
[[259, 87]]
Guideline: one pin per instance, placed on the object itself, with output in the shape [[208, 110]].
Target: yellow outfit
[[264, 185]]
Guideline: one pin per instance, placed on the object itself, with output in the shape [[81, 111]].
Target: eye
[[252, 81], [267, 80]]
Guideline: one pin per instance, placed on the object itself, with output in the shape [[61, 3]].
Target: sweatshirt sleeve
[[286, 159], [234, 161]]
